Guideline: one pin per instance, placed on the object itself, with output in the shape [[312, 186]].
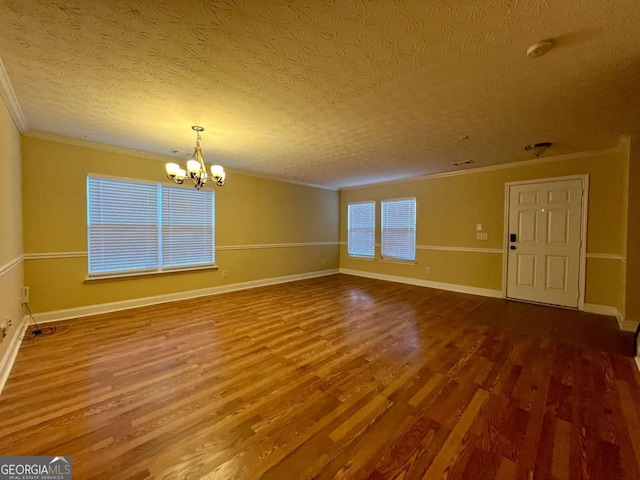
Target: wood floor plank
[[459, 441], [334, 377]]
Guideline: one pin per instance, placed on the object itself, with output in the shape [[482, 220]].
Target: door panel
[[528, 198], [559, 196], [558, 227], [526, 270], [528, 226], [543, 263], [557, 269]]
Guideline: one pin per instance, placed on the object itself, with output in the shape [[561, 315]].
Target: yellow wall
[[449, 207], [632, 301], [11, 267], [250, 212]]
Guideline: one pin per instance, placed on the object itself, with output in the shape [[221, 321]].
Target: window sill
[[358, 257], [126, 276], [401, 262]]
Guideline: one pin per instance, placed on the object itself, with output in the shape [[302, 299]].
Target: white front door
[[544, 230]]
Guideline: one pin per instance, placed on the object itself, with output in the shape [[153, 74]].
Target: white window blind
[[361, 226], [123, 226], [187, 227], [399, 229], [135, 226]]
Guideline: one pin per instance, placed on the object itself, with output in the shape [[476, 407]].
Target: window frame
[[392, 258], [158, 268], [164, 263], [366, 256]]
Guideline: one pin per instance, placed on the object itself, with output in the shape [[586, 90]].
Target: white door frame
[[582, 281]]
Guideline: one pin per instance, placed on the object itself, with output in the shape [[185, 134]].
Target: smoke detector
[[540, 48]]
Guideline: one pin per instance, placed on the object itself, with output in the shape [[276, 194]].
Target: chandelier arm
[[176, 179], [203, 167], [197, 174]]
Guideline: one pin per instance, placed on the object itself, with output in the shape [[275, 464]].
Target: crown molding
[[9, 96], [78, 142], [276, 178], [490, 168]]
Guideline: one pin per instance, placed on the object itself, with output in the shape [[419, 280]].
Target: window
[[399, 229], [361, 226], [187, 227], [140, 227]]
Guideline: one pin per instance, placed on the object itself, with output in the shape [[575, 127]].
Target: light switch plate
[[482, 236]]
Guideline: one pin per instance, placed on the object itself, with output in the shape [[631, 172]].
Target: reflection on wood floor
[[334, 377]]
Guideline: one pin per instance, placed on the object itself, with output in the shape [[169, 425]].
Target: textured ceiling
[[335, 93]]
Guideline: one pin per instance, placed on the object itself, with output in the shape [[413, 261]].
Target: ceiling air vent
[[459, 164]]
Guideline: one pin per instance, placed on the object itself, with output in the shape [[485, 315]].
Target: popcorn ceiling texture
[[336, 93]]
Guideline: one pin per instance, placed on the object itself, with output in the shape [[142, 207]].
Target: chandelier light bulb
[[197, 171], [172, 168], [193, 166]]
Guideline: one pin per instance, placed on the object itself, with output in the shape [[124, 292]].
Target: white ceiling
[[333, 92]]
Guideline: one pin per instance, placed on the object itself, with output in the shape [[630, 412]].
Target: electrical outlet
[[427, 270], [9, 322], [25, 294], [324, 261], [225, 273]]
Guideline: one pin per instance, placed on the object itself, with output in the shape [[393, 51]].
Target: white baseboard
[[484, 292], [6, 362], [626, 325], [9, 357], [57, 315], [602, 310]]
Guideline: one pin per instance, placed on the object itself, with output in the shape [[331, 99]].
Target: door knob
[[512, 247]]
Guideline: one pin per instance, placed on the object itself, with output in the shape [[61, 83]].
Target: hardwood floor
[[335, 377]]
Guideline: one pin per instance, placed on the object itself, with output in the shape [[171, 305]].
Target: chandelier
[[196, 169]]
